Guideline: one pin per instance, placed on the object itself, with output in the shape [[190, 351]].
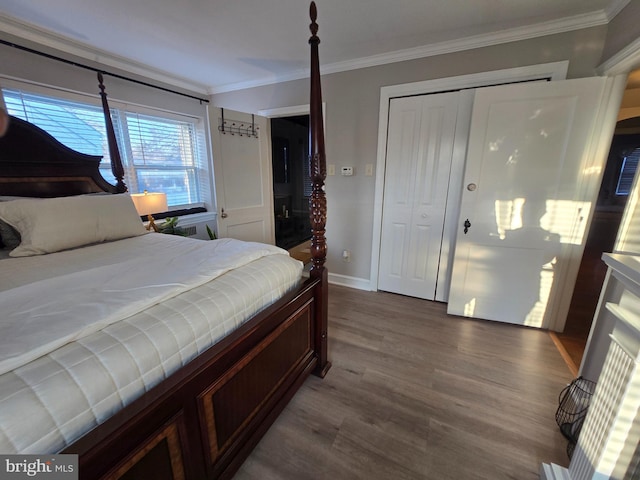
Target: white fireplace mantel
[[608, 444]]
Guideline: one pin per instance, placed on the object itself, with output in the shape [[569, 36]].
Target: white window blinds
[[628, 172], [159, 154]]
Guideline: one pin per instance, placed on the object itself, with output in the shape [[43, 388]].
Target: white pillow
[[53, 224]]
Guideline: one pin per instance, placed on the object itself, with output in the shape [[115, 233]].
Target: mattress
[[49, 402]]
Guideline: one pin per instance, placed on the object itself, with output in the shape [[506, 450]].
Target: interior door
[[530, 181], [243, 177], [419, 154]]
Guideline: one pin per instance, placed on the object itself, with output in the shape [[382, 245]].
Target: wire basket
[[573, 403]]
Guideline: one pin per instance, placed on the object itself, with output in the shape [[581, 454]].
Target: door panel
[[244, 189], [419, 151], [247, 229], [528, 192]]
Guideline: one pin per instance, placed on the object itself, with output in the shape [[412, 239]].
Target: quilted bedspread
[[100, 366]]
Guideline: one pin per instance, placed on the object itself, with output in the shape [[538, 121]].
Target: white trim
[[623, 61], [292, 112], [554, 71], [347, 281], [286, 111]]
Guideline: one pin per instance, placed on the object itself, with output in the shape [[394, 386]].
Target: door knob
[[223, 214], [467, 224]]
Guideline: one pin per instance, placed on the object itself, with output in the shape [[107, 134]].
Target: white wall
[[352, 104]]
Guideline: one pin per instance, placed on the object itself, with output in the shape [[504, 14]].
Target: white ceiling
[[219, 45]]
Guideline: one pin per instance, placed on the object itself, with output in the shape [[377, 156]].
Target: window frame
[[202, 170]]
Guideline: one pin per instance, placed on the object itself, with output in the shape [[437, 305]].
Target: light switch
[[368, 170], [331, 169]]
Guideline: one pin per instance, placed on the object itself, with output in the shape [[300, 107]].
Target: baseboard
[[347, 281]]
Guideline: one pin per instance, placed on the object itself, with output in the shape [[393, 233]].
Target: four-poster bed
[[202, 417]]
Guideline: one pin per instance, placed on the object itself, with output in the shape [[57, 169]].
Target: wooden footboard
[[204, 421]]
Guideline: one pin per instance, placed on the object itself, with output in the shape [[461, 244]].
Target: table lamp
[[148, 203]]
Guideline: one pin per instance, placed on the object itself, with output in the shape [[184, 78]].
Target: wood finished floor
[[416, 394]]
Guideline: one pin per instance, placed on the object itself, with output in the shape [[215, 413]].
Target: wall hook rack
[[235, 127]]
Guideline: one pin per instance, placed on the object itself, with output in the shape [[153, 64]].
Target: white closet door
[[419, 151], [530, 179]]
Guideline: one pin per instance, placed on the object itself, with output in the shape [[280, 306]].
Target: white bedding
[[51, 401], [75, 304]]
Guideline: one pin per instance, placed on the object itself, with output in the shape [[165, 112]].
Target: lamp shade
[[148, 203]]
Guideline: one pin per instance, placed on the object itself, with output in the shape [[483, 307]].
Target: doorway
[[291, 181], [242, 175], [614, 191]]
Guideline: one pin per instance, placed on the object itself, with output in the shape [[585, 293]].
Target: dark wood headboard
[[34, 164]]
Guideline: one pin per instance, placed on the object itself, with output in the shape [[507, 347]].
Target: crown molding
[[231, 87], [552, 27], [615, 8], [35, 34], [32, 33], [622, 62], [477, 41]]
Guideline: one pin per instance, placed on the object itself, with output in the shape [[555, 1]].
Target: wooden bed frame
[[204, 420]]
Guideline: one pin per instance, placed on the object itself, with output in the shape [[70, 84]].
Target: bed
[[148, 355]]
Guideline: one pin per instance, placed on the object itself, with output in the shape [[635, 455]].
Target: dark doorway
[[291, 181], [616, 185]]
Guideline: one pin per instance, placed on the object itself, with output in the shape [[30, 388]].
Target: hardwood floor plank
[[369, 450], [416, 394]]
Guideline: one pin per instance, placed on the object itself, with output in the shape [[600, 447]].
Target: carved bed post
[[114, 152], [318, 201]]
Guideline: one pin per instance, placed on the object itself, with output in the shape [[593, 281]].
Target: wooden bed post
[[114, 152], [318, 200]]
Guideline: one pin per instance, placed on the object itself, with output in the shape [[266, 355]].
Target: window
[[159, 153], [627, 172]]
